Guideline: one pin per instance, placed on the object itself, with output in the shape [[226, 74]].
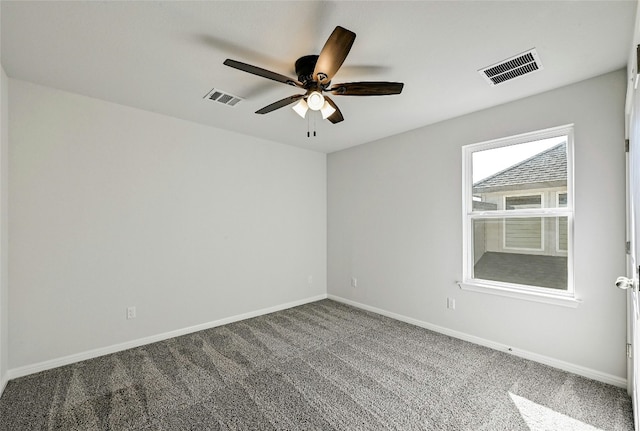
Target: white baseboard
[[3, 384], [556, 363], [71, 359], [66, 360]]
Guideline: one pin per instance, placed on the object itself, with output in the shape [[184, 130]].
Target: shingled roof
[[545, 169]]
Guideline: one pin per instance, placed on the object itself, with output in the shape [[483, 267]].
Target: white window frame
[[504, 223], [532, 293]]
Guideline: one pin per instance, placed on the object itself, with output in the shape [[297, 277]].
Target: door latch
[[624, 283]]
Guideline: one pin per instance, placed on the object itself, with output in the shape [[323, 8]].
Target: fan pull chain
[[309, 115]]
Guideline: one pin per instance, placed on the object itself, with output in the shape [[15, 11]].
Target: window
[[518, 216]]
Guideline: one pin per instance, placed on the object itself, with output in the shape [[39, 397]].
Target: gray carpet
[[321, 366]]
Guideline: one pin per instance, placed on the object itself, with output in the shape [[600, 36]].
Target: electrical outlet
[[310, 279], [354, 282], [131, 312], [451, 303]]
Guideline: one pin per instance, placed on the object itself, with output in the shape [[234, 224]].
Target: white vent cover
[[518, 65], [223, 97]]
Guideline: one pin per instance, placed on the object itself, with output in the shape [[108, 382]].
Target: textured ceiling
[[166, 56]]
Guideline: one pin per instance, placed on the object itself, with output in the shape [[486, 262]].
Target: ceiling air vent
[[521, 64], [223, 97]]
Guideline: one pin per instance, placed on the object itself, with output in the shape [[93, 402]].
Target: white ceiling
[[165, 56]]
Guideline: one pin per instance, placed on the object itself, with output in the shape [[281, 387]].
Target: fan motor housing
[[304, 69]]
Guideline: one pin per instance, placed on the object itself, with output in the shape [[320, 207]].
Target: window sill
[[562, 300]]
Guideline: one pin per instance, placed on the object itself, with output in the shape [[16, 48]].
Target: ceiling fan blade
[[336, 117], [367, 88], [333, 53], [280, 104], [261, 72]]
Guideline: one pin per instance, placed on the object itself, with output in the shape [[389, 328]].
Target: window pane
[[521, 251], [522, 202], [520, 176]]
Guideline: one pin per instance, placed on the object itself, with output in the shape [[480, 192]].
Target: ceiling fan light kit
[[327, 110], [315, 101], [301, 108], [314, 75]]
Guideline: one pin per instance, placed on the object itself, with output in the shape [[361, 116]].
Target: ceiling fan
[[314, 75]]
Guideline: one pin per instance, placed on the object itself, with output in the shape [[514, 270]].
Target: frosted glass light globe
[[315, 101]]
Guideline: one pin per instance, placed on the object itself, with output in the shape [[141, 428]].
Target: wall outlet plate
[[451, 303]]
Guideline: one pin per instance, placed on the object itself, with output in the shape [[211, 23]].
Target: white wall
[[114, 207], [4, 291], [395, 223], [3, 223]]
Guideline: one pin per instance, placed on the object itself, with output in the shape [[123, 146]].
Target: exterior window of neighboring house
[[518, 216]]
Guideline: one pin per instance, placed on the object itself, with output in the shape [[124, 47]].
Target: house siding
[[529, 235]]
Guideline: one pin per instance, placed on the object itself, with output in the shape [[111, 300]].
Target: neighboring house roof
[[545, 169]]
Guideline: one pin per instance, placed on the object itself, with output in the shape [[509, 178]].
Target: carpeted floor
[[320, 366]]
